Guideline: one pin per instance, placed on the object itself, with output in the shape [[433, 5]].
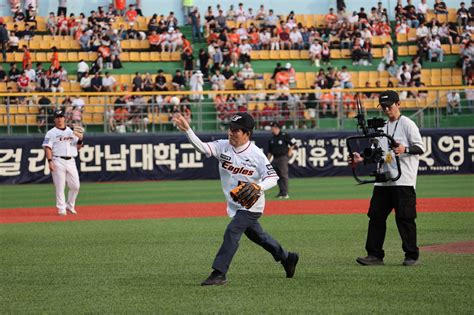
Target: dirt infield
[[451, 248], [189, 210]]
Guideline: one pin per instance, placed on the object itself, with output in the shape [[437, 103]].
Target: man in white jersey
[[399, 195], [240, 161], [61, 144]]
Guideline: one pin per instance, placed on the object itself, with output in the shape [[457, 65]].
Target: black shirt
[[278, 145]]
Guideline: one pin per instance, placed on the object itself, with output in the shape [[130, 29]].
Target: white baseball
[[174, 100]]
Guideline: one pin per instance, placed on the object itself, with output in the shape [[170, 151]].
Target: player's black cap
[[58, 113], [389, 97], [242, 121], [275, 124]]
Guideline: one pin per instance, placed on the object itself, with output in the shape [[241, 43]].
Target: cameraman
[[399, 195]]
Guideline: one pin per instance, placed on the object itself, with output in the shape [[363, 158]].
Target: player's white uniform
[[63, 144], [247, 163]]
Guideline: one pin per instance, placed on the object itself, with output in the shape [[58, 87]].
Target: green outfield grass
[[156, 266], [151, 192]]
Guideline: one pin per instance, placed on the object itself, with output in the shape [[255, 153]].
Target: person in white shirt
[[454, 101], [78, 102], [296, 39], [82, 69], [400, 194], [218, 81], [423, 7], [85, 82], [435, 48], [247, 71], [315, 53], [108, 82], [61, 145], [345, 78], [422, 32], [240, 161], [470, 95], [245, 50]]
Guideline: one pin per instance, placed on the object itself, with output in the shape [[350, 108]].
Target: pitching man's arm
[[183, 125]]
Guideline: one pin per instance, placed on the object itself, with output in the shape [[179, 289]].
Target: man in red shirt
[[23, 83], [131, 14]]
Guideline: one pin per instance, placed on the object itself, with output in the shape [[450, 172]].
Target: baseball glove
[[78, 131], [246, 194]]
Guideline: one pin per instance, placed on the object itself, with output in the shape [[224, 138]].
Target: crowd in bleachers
[[234, 38]]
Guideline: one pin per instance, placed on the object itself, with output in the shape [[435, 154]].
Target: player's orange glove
[[246, 194]]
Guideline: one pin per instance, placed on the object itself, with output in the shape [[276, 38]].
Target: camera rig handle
[[378, 177]]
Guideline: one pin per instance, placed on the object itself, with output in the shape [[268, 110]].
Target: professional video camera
[[369, 147]]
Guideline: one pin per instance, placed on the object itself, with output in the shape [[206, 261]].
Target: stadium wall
[[170, 156]]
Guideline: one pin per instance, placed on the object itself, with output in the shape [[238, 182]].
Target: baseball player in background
[[61, 145], [245, 174]]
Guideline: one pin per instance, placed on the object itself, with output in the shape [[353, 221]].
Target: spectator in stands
[[239, 81], [188, 64], [26, 57], [55, 58], [387, 58], [444, 35], [62, 25], [366, 51], [326, 54], [82, 69], [196, 25], [55, 82], [392, 69], [23, 83], [13, 42], [108, 83], [131, 15], [247, 71], [4, 40], [327, 100], [345, 78], [97, 82], [204, 62], [51, 24], [85, 83], [196, 84], [3, 74], [221, 21], [42, 83], [440, 7], [315, 53], [296, 39], [28, 33], [148, 83], [454, 101], [470, 95], [404, 76], [271, 20], [160, 82], [85, 40], [137, 82], [228, 73], [435, 49], [245, 50], [13, 73], [274, 40], [155, 41], [284, 37], [179, 81]]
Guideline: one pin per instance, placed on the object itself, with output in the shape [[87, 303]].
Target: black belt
[[64, 157]]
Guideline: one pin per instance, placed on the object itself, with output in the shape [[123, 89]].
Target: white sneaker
[[284, 197], [72, 211], [62, 213]]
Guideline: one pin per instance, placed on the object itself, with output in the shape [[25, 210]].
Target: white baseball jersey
[[405, 132], [247, 163], [62, 142]]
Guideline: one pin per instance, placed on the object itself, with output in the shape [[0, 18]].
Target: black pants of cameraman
[[384, 199]]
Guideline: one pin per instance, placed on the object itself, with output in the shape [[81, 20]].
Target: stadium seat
[[154, 56], [446, 49], [134, 56], [295, 54], [274, 54], [145, 56], [284, 54], [175, 56], [304, 54], [403, 50], [165, 56], [264, 54]]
